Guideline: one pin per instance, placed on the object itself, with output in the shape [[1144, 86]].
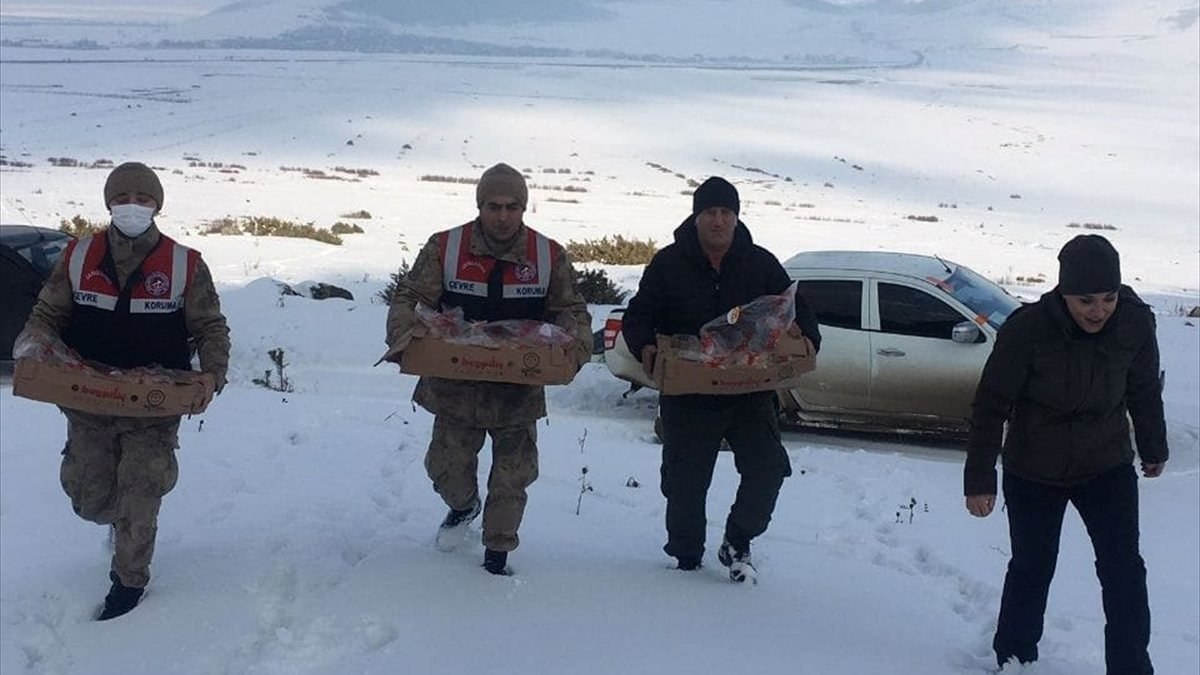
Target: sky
[[299, 538]]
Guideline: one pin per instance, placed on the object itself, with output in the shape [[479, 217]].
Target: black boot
[[741, 569], [496, 562], [688, 563], [120, 599], [453, 529]]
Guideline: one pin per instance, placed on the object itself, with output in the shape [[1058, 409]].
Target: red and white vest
[[489, 289], [140, 324]]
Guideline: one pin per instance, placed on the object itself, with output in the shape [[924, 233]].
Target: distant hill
[[796, 34]]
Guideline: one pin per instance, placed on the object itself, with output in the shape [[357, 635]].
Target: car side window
[[48, 254], [836, 303], [909, 311]]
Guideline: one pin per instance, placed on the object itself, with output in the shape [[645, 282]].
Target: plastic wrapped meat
[[747, 334], [48, 349], [443, 325], [451, 327]]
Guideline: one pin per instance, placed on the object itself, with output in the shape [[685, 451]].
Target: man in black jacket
[[712, 267], [1064, 372]]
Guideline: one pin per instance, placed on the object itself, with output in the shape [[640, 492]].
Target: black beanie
[[1088, 264], [716, 191]]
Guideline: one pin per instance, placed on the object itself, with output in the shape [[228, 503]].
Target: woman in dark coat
[[1067, 374]]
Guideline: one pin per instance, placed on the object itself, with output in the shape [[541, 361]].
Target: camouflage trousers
[[116, 471], [453, 463]]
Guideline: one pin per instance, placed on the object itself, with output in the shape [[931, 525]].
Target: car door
[[18, 293], [27, 256], [916, 368], [842, 379]]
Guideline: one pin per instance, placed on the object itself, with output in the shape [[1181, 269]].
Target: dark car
[[27, 256]]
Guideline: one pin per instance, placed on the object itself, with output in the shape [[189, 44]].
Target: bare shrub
[[80, 227], [428, 178], [361, 173], [345, 228], [270, 226], [615, 251], [224, 226]]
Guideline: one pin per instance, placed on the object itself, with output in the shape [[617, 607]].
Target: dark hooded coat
[[1065, 395]]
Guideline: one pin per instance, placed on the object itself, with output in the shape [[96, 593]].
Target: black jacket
[[1065, 394], [680, 291]]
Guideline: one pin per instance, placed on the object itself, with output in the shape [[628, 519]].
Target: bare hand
[[396, 346], [648, 354], [210, 388], [794, 331], [1153, 470], [981, 505]]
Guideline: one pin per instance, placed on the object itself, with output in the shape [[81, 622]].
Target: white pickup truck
[[904, 340]]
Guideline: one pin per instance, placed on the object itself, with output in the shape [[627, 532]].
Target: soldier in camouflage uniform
[[129, 296], [494, 267]]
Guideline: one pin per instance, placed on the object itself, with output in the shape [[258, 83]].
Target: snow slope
[[299, 540]]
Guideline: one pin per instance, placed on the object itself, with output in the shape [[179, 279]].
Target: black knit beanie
[[132, 177], [716, 191], [1088, 264]]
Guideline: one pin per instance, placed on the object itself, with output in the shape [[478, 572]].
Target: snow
[[299, 538]]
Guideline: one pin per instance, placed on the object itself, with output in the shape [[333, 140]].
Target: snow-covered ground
[[299, 537]]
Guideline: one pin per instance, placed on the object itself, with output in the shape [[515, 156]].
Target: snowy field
[[299, 537]]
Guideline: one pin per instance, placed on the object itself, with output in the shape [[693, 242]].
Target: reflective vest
[[492, 290], [138, 325]]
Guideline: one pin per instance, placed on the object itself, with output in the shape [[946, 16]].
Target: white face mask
[[132, 219]]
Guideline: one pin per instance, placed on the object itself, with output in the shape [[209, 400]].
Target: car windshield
[[44, 253], [983, 297]]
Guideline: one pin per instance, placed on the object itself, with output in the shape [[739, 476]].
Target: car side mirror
[[966, 333]]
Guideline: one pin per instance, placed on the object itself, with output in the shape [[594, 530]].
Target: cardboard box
[[519, 365], [118, 393], [781, 370]]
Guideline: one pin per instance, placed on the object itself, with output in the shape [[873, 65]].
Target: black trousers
[[693, 428], [1108, 505]]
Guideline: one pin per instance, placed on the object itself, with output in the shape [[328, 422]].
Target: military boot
[[496, 562], [453, 529], [120, 599]]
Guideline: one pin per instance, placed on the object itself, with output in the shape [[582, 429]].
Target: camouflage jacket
[[485, 404], [202, 309]]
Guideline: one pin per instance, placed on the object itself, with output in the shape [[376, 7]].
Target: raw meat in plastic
[[51, 349], [451, 327], [747, 334], [45, 348]]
